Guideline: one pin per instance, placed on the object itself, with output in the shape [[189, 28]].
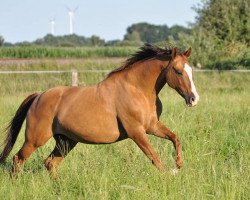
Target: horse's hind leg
[[32, 142], [35, 136], [22, 155], [63, 146]]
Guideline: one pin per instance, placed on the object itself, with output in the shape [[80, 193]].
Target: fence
[[74, 74]]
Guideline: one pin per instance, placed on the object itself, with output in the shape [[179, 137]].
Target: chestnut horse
[[124, 105]]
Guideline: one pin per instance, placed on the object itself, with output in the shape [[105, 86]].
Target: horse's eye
[[178, 72]]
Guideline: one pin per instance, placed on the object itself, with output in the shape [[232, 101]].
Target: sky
[[27, 20]]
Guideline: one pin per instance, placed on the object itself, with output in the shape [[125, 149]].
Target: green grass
[[214, 135], [64, 52], [60, 64]]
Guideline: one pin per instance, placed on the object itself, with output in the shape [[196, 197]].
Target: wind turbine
[[71, 19], [52, 26]]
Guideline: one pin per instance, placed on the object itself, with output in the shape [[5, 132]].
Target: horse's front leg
[[140, 138], [160, 130]]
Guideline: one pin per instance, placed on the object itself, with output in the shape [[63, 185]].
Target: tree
[[227, 20], [148, 32], [72, 40], [97, 41], [134, 36], [153, 33], [176, 30], [220, 37]]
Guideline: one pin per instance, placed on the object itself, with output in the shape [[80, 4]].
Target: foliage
[[220, 36], [227, 21], [97, 41], [133, 36], [150, 33], [70, 41]]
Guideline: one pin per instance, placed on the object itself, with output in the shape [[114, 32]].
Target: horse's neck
[[148, 76], [161, 81]]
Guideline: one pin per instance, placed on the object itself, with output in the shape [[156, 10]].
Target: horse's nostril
[[191, 100]]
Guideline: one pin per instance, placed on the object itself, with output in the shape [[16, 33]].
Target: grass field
[[64, 52], [214, 134]]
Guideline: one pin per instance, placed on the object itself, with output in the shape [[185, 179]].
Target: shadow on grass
[[6, 166]]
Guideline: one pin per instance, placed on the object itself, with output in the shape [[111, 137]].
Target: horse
[[124, 105]]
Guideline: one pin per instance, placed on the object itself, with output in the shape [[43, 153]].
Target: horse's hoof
[[179, 164], [13, 175], [174, 171]]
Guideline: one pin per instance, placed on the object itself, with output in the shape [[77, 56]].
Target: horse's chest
[[137, 112]]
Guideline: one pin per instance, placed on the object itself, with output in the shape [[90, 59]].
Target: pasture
[[214, 135]]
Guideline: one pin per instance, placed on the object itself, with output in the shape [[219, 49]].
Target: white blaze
[[188, 69]]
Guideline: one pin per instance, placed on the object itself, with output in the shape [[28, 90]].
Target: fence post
[[74, 78]]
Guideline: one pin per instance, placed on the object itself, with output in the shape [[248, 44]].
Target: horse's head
[[179, 76]]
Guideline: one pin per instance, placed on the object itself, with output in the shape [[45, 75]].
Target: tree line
[[136, 35]]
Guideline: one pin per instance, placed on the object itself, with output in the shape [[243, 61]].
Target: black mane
[[146, 52]]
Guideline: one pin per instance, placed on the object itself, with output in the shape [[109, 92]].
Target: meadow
[[214, 135]]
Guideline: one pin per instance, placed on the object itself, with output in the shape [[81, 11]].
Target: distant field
[[65, 52], [214, 135]]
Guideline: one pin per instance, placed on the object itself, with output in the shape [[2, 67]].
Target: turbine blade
[[76, 8], [67, 8]]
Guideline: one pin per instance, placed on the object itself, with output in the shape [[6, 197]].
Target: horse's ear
[[174, 52], [188, 52]]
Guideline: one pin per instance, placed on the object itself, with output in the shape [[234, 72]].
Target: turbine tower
[[71, 19], [52, 26]]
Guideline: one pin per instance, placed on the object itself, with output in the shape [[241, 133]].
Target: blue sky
[[27, 20]]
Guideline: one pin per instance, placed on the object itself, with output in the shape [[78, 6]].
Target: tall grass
[[215, 143], [64, 52]]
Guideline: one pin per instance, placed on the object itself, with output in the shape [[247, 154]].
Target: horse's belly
[[88, 134], [97, 132], [86, 115], [92, 124]]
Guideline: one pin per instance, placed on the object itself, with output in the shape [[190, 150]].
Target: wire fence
[[100, 71], [54, 71], [25, 82], [74, 73], [216, 70]]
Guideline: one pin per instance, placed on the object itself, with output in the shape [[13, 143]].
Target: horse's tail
[[15, 125]]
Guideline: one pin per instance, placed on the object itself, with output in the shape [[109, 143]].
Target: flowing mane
[[146, 52]]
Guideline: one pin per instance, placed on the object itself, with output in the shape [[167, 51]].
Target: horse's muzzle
[[191, 100]]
